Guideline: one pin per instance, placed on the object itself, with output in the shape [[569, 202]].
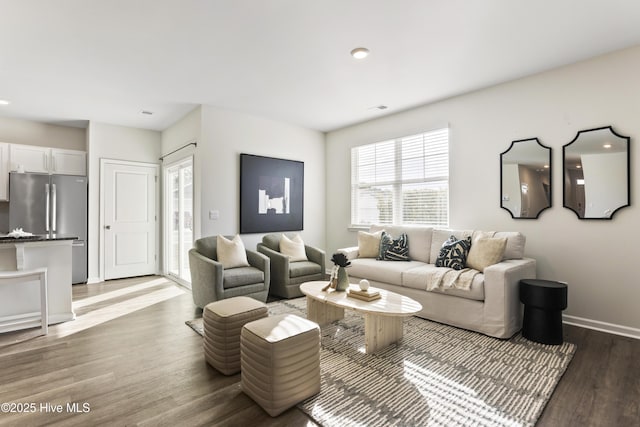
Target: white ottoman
[[223, 320], [280, 358]]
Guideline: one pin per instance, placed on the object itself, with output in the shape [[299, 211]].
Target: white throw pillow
[[485, 252], [294, 248], [369, 244], [231, 253]]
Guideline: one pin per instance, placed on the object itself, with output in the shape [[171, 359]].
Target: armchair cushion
[[303, 268], [231, 253], [207, 247], [293, 248], [241, 276]]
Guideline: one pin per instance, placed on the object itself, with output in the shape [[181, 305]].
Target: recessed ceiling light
[[360, 52], [4, 102], [607, 145]]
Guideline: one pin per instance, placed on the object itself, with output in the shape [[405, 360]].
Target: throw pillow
[[231, 253], [486, 252], [394, 250], [368, 244], [293, 248], [453, 253]]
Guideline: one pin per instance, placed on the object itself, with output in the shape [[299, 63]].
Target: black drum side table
[[543, 302]]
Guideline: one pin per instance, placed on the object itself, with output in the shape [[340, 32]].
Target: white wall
[[181, 133], [226, 134], [595, 257], [18, 131], [106, 141]]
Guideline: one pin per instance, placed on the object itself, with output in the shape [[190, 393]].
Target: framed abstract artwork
[[271, 194]]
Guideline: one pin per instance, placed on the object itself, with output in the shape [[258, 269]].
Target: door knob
[[108, 227]]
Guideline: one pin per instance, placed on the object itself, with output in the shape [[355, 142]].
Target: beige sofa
[[491, 305]]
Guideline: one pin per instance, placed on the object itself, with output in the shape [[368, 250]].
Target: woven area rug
[[437, 375]]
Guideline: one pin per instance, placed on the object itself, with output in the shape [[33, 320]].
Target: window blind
[[401, 181]]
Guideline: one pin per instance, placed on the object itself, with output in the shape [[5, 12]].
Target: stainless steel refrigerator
[[54, 205]]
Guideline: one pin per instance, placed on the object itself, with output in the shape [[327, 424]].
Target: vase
[[343, 279]]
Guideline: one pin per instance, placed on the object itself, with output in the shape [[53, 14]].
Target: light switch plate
[[213, 215]]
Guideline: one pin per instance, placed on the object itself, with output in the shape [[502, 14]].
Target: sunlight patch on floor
[[117, 293], [453, 398], [113, 311]]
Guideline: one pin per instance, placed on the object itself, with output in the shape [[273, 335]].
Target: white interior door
[[129, 219]]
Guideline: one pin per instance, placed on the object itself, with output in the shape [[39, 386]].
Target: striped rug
[[436, 376]]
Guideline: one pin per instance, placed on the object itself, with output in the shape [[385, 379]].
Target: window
[[178, 199], [401, 181]]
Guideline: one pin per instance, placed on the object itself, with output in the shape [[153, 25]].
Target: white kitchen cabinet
[[68, 162], [33, 158], [4, 171]]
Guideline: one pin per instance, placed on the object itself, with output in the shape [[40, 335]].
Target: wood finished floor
[[131, 359]]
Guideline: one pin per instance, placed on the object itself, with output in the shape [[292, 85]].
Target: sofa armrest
[[351, 252], [315, 255], [262, 263], [279, 264], [502, 294], [206, 278]]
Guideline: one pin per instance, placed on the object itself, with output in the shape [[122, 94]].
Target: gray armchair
[[211, 282], [287, 276]]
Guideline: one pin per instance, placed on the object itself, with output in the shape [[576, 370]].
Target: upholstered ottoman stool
[[280, 357], [223, 320]]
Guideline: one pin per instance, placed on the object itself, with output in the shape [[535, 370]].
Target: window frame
[[397, 182]]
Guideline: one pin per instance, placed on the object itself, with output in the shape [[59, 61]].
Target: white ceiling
[[69, 61]]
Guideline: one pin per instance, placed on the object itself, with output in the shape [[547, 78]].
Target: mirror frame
[[550, 169], [628, 165]]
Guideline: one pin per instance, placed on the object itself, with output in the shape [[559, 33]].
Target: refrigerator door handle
[[54, 207], [46, 209]]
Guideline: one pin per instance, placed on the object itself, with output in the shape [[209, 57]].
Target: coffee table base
[[379, 330]]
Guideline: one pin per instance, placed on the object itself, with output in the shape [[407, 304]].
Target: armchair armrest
[[351, 252], [315, 255], [261, 262], [206, 278], [279, 263]]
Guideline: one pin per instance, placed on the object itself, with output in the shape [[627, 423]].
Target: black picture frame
[[271, 194]]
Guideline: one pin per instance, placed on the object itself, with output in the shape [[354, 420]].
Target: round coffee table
[[382, 317]]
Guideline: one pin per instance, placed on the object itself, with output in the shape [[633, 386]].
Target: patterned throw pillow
[[453, 253], [394, 250]]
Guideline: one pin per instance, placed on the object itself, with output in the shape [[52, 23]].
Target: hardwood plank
[[130, 356]]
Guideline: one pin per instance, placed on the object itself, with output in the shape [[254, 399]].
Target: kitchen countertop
[[35, 238]]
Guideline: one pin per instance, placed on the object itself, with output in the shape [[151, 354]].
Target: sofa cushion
[[303, 268], [394, 249], [241, 276], [369, 244], [485, 252], [453, 253], [418, 277], [442, 235], [418, 236], [380, 271], [515, 244]]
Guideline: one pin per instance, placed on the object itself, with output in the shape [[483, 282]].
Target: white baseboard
[[597, 325], [92, 280]]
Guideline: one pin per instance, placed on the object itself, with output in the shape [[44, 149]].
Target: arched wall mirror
[[525, 178], [596, 173]]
